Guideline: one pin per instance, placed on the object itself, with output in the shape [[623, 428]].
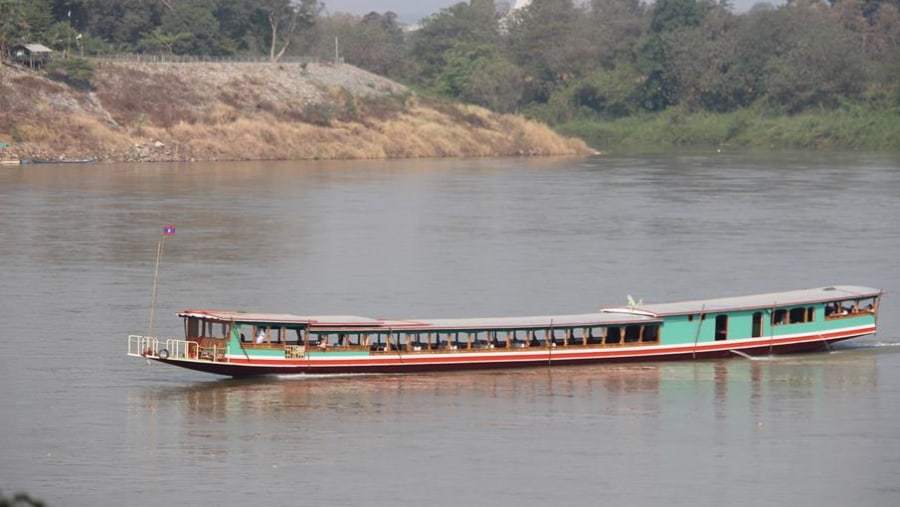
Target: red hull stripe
[[560, 354]]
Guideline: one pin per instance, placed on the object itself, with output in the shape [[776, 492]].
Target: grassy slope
[[208, 111]]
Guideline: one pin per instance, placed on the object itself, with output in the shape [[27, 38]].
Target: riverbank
[[139, 111], [852, 127]]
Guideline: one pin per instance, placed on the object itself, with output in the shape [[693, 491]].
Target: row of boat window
[[834, 309], [800, 314], [838, 309], [454, 340], [783, 316]]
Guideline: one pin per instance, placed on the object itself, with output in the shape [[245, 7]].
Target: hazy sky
[[411, 11]]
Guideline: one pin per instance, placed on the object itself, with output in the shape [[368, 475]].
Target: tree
[[478, 74], [704, 63], [11, 17], [375, 42], [61, 36], [241, 22], [76, 72], [603, 94], [619, 26], [669, 16], [122, 23], [284, 17], [195, 28], [24, 21], [546, 40], [162, 42], [800, 57], [459, 24]]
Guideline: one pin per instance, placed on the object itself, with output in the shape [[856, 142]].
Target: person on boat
[[261, 336]]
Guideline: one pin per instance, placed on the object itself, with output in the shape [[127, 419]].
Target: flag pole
[[168, 230]]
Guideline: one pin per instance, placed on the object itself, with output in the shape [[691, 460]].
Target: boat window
[[260, 335], [779, 317], [238, 329], [632, 334], [843, 308], [193, 327], [613, 335], [651, 334], [416, 341], [440, 341], [867, 305], [383, 341], [557, 336], [275, 334], [210, 329], [497, 338], [797, 315], [518, 338], [481, 340]]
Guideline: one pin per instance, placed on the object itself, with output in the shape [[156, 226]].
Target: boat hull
[[457, 361]]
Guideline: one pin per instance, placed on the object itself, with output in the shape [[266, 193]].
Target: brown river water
[[85, 425]]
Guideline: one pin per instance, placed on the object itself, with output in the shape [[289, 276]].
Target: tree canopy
[[557, 60]]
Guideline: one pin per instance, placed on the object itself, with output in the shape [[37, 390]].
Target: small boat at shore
[[87, 160], [242, 344]]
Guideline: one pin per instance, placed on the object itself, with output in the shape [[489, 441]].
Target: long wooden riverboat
[[240, 344]]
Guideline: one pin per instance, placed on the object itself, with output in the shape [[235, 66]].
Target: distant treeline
[[559, 61]]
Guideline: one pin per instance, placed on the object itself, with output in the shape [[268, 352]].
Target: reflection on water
[[608, 389]]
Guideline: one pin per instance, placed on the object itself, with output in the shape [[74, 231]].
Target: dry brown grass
[[203, 112], [70, 136]]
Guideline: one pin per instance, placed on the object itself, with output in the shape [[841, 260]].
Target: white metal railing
[[172, 348], [143, 345], [151, 346], [181, 349]]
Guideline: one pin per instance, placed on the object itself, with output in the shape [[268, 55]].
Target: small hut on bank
[[31, 55]]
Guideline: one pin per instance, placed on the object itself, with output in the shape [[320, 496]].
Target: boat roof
[[767, 300], [280, 318], [623, 315], [356, 322]]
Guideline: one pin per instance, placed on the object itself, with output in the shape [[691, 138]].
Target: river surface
[[85, 425]]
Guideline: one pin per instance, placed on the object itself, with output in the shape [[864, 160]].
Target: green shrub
[[75, 72]]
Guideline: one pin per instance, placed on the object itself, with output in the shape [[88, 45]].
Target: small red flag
[[169, 230]]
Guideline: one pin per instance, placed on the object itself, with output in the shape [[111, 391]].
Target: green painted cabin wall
[[677, 330], [233, 346]]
